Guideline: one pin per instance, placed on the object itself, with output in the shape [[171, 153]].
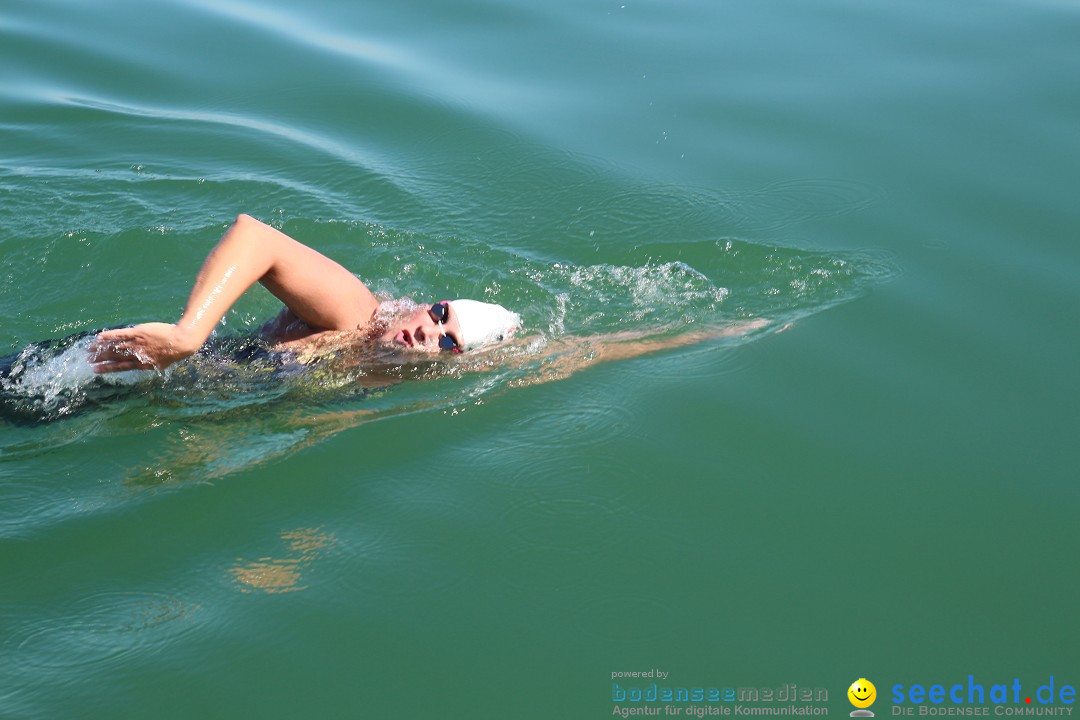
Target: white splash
[[64, 373]]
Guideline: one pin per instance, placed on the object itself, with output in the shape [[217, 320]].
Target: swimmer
[[328, 310], [330, 319], [322, 299]]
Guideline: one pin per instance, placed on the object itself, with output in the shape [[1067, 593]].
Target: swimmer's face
[[422, 332]]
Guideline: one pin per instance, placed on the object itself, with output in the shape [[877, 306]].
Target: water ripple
[[396, 569], [580, 523], [586, 422], [103, 629], [215, 121], [298, 28], [790, 202]]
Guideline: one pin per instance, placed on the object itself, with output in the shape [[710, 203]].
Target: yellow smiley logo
[[862, 693]]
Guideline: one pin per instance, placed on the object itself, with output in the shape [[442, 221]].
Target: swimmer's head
[[452, 325]]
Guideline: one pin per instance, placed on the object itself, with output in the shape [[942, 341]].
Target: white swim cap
[[483, 323]]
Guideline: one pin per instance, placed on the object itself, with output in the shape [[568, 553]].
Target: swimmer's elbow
[[252, 231]]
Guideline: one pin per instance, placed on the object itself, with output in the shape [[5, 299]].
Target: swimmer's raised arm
[[314, 288]]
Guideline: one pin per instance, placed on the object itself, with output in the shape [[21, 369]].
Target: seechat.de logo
[[862, 695]]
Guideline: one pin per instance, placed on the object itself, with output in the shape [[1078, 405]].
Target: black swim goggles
[[440, 313]]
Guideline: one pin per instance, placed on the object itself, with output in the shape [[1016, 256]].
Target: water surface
[[879, 482]]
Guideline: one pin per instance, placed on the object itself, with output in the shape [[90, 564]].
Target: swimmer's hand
[[150, 346]]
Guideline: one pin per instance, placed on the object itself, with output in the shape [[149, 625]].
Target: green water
[[880, 483]]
